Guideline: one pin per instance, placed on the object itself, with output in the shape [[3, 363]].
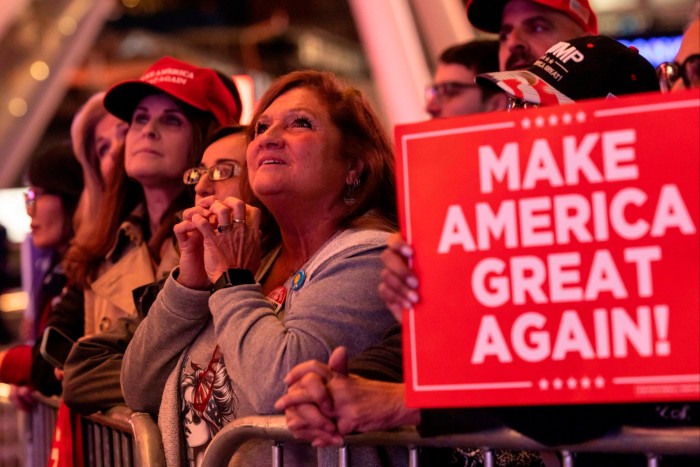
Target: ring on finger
[[238, 221], [221, 228]]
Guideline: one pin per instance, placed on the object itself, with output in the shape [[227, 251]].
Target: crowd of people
[[210, 270]]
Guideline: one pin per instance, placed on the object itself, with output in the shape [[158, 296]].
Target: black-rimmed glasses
[[216, 172], [446, 90], [689, 71]]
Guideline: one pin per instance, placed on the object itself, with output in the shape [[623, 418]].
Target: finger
[[188, 213], [338, 360], [323, 440], [397, 289], [398, 245], [397, 265], [308, 416], [203, 226], [311, 389], [253, 217], [222, 212], [309, 366], [295, 396], [206, 202], [237, 209]]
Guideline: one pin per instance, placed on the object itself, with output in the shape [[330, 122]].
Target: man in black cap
[[587, 67]]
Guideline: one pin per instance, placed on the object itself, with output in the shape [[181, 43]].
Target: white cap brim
[[524, 85]]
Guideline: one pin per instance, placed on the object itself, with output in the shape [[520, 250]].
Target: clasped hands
[[214, 236], [325, 403]]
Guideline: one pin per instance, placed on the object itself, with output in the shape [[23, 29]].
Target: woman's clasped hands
[[214, 236]]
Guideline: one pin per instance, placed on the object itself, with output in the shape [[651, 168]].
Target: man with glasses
[[684, 71], [454, 91]]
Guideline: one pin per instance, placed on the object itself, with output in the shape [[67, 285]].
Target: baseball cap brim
[[121, 100], [486, 15], [523, 85]]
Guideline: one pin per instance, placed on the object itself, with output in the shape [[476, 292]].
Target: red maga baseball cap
[[487, 15], [202, 88]]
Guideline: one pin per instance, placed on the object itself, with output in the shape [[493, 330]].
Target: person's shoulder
[[356, 240], [348, 243], [368, 237]]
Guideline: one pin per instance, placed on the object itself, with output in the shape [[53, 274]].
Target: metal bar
[[89, 440], [277, 455], [97, 453], [127, 447], [413, 457], [344, 456], [488, 457], [116, 447], [106, 446], [567, 459]]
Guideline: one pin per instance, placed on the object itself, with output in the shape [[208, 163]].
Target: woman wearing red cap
[[171, 110]]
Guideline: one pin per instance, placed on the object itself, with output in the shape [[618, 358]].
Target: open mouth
[[270, 162]]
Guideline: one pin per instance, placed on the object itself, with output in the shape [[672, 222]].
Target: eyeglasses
[[446, 90], [513, 103], [689, 71], [30, 197], [216, 172]]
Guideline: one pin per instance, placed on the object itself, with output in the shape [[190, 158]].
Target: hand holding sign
[[558, 255]]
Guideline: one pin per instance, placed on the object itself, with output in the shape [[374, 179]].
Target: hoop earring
[[349, 197]]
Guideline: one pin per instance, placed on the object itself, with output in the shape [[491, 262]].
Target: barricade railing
[[124, 438], [652, 442], [118, 438]]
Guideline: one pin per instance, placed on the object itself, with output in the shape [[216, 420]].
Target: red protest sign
[[557, 252]]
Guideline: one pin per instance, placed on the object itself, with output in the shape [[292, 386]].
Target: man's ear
[[496, 102]]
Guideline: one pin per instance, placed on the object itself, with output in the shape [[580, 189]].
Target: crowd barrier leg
[[567, 459]]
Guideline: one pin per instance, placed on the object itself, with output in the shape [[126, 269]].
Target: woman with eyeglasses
[[171, 110], [55, 184]]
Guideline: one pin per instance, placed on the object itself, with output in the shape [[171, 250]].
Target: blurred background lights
[[39, 70], [67, 25], [131, 3], [17, 106]]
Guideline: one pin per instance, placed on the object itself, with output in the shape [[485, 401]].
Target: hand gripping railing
[[650, 441]]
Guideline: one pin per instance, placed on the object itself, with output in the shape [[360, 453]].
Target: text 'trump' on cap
[[583, 68]]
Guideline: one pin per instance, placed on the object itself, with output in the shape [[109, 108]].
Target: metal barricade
[[652, 442], [118, 438], [11, 432], [41, 424]]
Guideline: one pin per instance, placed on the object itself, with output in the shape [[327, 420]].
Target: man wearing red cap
[[528, 28]]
